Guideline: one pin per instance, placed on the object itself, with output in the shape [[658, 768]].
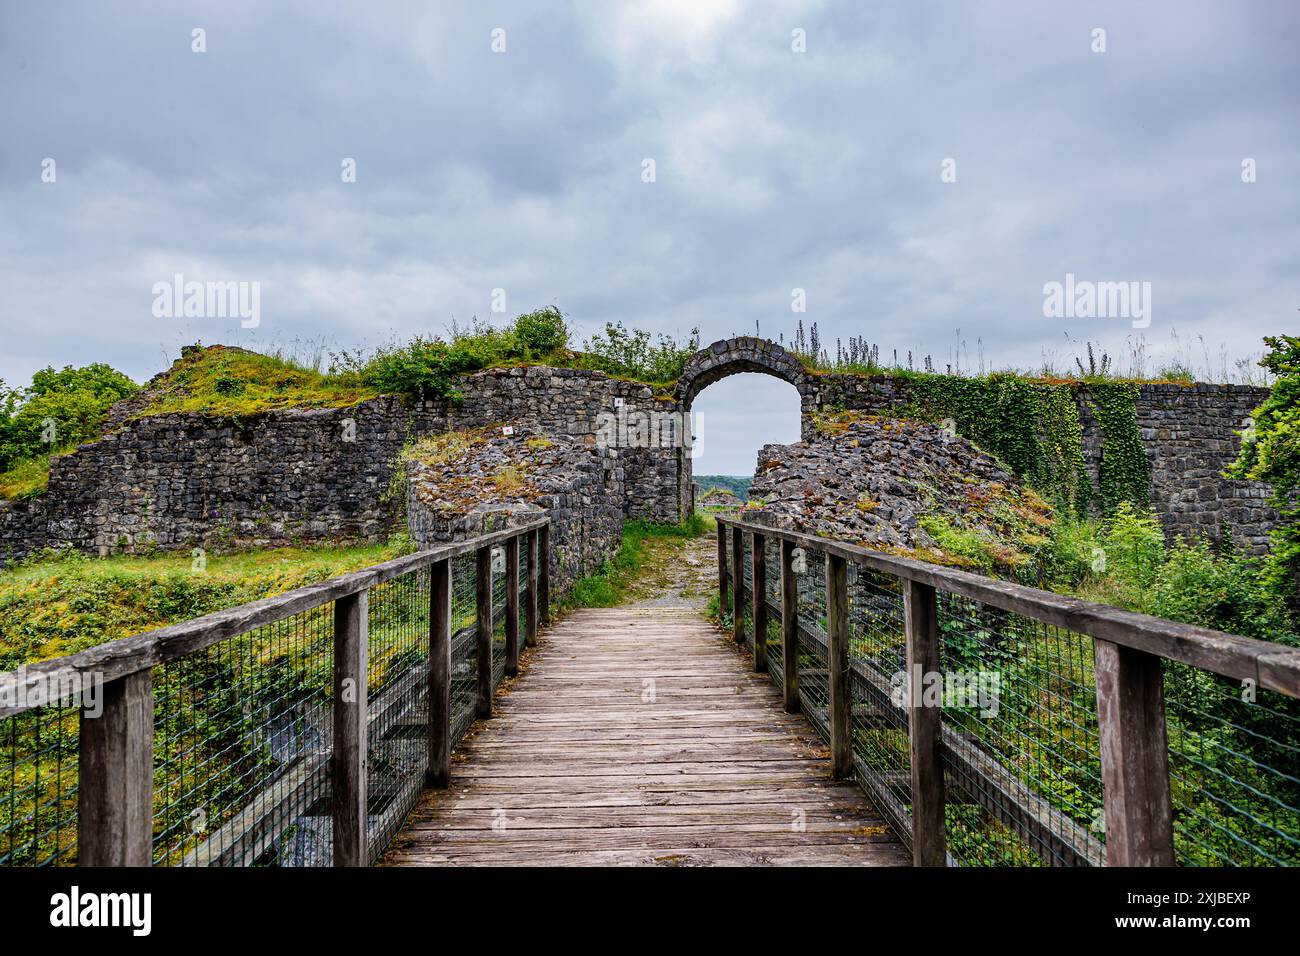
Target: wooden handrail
[[1129, 649], [115, 760], [1272, 666], [129, 655]]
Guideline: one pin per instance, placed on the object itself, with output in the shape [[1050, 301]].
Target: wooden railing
[[115, 823], [1129, 654]]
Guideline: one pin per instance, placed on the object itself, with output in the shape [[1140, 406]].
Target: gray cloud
[[522, 171]]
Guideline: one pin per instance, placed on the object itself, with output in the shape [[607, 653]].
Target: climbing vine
[[1125, 472], [1033, 428]]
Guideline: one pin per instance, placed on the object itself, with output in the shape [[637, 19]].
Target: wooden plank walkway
[[639, 736]]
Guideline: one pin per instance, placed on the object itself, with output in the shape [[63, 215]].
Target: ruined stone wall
[[1189, 433], [578, 484], [284, 477], [181, 481]]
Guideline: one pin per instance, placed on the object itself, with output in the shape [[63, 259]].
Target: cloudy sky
[[774, 170]]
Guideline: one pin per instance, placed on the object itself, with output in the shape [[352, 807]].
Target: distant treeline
[[738, 485]]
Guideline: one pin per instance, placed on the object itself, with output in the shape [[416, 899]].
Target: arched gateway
[[745, 353], [732, 357]]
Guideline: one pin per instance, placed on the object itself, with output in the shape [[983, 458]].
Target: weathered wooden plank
[[512, 607], [530, 602], [837, 636], [724, 604], [483, 634], [115, 776], [579, 761], [544, 557], [789, 629], [350, 737], [759, 601], [929, 843], [738, 584], [1134, 757], [440, 715]]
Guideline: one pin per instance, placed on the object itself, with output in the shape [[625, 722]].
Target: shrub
[[1270, 451], [72, 400], [542, 332], [1225, 592], [630, 353], [1134, 545]]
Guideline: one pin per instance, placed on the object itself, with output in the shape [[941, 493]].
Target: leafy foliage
[[738, 485], [67, 404], [1125, 472], [1270, 452], [632, 354]]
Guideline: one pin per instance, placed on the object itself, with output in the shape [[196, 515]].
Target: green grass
[[58, 605], [609, 583], [26, 479], [221, 381]]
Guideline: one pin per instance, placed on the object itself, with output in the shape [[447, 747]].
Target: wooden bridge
[[638, 737], [392, 715]]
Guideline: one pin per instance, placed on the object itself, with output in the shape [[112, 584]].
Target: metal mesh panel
[[398, 693], [1234, 771], [38, 787], [814, 682], [464, 658], [877, 649], [241, 750], [1021, 750]]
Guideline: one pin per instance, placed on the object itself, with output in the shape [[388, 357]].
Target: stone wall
[[1189, 433], [577, 483], [183, 481], [180, 481]]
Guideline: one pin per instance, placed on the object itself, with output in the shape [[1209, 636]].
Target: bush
[[631, 354], [429, 366], [1270, 452], [1134, 545], [1225, 592], [542, 332], [71, 400]]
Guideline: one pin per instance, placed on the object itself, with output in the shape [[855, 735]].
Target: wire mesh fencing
[[243, 729], [242, 733], [38, 786], [1019, 729]]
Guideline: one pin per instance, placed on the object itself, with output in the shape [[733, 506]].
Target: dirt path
[[677, 572]]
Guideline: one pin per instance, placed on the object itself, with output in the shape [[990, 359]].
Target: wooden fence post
[[837, 639], [350, 729], [738, 584], [789, 629], [1134, 757], [544, 573], [723, 592], [440, 674], [483, 636], [530, 602], [759, 601], [512, 606], [115, 789], [925, 726]]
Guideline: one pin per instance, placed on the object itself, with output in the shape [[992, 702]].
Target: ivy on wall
[[1125, 472], [1034, 429]]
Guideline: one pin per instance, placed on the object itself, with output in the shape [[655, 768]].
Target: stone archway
[[744, 354], [728, 357]]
